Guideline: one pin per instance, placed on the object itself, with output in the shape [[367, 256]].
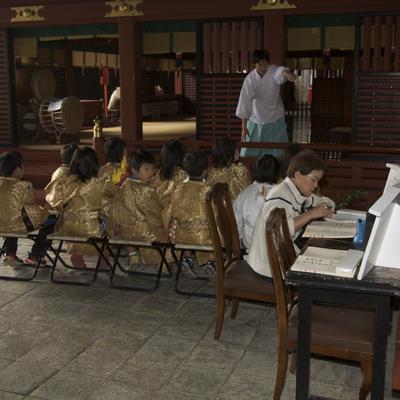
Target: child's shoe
[[78, 261], [32, 262], [188, 267], [135, 263], [13, 261], [211, 269]]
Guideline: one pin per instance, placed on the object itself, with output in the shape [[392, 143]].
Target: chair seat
[[241, 280], [336, 327]]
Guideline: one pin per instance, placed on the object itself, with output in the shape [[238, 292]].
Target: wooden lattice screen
[[327, 110], [226, 48], [376, 119], [5, 103], [378, 110], [218, 97]]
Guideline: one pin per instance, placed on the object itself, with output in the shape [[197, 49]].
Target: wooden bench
[[119, 243], [99, 243]]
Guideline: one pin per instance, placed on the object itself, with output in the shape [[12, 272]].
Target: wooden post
[[130, 79], [274, 36]]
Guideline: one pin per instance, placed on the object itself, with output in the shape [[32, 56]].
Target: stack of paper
[[321, 260], [331, 229]]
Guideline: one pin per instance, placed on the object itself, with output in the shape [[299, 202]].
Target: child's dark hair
[[171, 157], [195, 163], [85, 164], [259, 55], [140, 157], [304, 162], [223, 152], [114, 149], [9, 161], [265, 169], [67, 152]]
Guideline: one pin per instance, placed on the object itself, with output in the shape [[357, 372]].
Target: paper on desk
[[328, 261], [331, 229]]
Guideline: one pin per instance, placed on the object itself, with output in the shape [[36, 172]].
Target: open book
[[331, 229], [321, 260]]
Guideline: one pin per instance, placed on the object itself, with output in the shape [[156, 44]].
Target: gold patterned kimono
[[136, 214], [237, 176], [61, 172], [189, 216], [165, 190], [81, 205], [108, 170], [17, 198]]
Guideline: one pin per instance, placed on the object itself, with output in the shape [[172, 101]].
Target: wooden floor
[[152, 130]]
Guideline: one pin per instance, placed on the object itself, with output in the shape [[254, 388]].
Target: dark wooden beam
[[130, 79]]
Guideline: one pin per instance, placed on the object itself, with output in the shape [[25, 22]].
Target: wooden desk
[[373, 292]]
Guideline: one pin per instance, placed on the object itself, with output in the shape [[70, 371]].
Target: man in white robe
[[260, 105]]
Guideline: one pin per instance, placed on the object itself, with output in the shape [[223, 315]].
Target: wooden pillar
[[274, 36], [130, 79], [69, 70]]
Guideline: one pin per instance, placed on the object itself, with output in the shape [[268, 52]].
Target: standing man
[[260, 105]]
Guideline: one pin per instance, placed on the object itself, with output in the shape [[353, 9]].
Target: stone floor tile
[[161, 304], [6, 297], [264, 340], [13, 346], [198, 380], [105, 356], [68, 386], [216, 354], [166, 394], [10, 396], [246, 387], [17, 287], [184, 329], [163, 348], [197, 309], [22, 378], [258, 364], [24, 305], [233, 333], [152, 374], [120, 391]]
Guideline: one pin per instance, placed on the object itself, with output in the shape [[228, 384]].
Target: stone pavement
[[61, 342]]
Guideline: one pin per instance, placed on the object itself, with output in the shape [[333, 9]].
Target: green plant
[[346, 200]]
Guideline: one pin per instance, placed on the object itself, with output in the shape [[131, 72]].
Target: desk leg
[[382, 326], [303, 345]]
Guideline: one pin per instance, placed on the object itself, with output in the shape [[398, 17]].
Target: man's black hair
[[259, 55], [67, 152], [265, 169], [9, 161], [114, 149], [195, 163], [140, 157]]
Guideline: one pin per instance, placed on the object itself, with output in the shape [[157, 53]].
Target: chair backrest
[[281, 256], [223, 229]]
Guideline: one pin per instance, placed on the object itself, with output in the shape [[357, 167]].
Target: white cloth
[[260, 99], [284, 195], [247, 207]]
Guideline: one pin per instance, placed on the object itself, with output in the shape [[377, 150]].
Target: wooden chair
[[338, 332], [236, 280]]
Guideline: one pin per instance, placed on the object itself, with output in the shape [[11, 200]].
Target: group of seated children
[[150, 204], [143, 203]]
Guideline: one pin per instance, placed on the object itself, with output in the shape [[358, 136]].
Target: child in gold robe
[[169, 177], [18, 209], [188, 223], [83, 200], [136, 213], [66, 154], [225, 170], [114, 149]]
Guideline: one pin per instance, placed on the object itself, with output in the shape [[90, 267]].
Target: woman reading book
[[296, 194]]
